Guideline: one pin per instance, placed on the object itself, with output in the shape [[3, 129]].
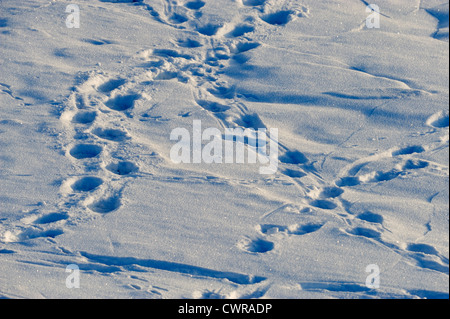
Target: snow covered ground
[[358, 207]]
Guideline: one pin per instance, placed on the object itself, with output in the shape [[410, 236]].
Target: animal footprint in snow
[[33, 233], [371, 217], [409, 150], [415, 164], [257, 245], [86, 117], [189, 43], [278, 18], [439, 120], [51, 218], [241, 30], [178, 18], [422, 248], [323, 198], [105, 206], [213, 106], [166, 75], [293, 173], [111, 85], [122, 168], [195, 5], [331, 192], [209, 29], [284, 16], [253, 3], [365, 232], [87, 184], [122, 102], [243, 47], [348, 181], [294, 157], [111, 134], [323, 204]]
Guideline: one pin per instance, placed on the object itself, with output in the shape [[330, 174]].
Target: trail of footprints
[[366, 224], [100, 169], [90, 145]]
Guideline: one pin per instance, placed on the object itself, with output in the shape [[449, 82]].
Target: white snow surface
[[86, 176]]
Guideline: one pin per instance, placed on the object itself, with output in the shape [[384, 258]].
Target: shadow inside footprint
[[439, 121], [111, 134], [365, 232], [348, 181], [256, 245], [122, 102], [299, 230], [195, 5], [293, 173], [294, 157], [269, 229], [51, 218], [323, 204], [111, 85], [87, 184], [3, 22], [51, 233], [371, 217], [415, 164], [422, 248], [331, 192], [243, 47], [213, 106], [242, 29], [253, 3], [305, 229], [84, 117], [107, 205], [166, 75], [189, 43], [178, 18], [122, 168], [209, 29], [409, 150], [278, 18], [385, 176]]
